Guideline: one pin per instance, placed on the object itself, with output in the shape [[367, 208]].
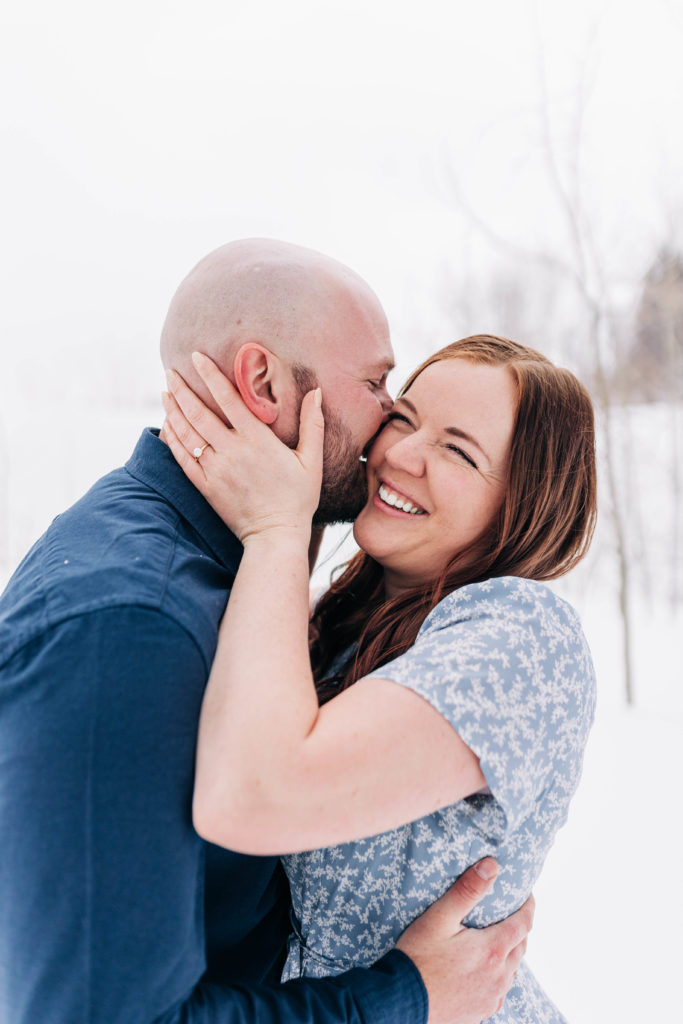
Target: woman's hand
[[255, 483]]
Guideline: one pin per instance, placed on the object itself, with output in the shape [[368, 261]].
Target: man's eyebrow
[[374, 370], [453, 431]]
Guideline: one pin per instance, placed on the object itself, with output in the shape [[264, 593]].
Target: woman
[[462, 687]]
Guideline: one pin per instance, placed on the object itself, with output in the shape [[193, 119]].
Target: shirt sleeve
[[101, 872], [390, 992], [506, 663]]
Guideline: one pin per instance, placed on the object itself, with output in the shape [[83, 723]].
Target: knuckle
[[517, 934], [503, 942], [195, 412], [515, 928], [492, 953], [516, 955], [184, 432], [497, 956]]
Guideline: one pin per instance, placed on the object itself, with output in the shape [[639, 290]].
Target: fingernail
[[165, 399], [318, 398], [486, 868], [169, 377], [198, 359]]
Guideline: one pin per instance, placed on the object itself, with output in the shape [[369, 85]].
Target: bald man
[[282, 320], [112, 909]]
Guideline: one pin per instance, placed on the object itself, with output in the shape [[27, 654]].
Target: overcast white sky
[[137, 136]]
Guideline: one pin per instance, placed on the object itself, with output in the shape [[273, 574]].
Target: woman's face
[[437, 471]]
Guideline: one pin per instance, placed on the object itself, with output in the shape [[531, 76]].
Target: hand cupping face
[[254, 482]]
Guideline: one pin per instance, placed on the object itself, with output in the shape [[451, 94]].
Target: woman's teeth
[[390, 498]]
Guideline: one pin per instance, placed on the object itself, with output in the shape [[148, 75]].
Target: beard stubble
[[344, 488]]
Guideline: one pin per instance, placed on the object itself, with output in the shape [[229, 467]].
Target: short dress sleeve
[[505, 661]]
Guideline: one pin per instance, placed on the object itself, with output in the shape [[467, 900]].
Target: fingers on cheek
[[186, 403], [189, 412], [172, 439], [516, 956], [182, 429], [180, 415], [168, 433]]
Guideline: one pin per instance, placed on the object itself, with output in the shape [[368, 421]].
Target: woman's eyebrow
[[454, 431]]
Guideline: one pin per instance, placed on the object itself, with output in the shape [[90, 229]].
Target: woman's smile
[[394, 502]]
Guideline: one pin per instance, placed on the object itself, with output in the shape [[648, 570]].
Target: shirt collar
[[154, 465]]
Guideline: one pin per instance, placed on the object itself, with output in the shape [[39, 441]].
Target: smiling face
[[437, 472]]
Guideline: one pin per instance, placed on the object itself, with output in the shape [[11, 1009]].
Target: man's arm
[[466, 974], [101, 872]]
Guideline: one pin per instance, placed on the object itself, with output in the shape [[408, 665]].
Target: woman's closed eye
[[399, 417], [462, 454]]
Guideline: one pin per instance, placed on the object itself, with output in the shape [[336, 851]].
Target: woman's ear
[[257, 378]]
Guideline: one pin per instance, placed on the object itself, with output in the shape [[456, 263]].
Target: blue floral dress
[[506, 662]]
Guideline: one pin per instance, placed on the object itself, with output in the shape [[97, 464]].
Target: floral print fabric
[[506, 663]]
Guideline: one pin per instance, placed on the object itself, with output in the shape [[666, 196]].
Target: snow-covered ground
[[606, 944]]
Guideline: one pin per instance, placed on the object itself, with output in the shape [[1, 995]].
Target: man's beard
[[344, 489]]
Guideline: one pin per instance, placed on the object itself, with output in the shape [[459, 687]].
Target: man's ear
[[257, 373]]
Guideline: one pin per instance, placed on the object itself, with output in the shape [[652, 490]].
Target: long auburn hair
[[543, 528]]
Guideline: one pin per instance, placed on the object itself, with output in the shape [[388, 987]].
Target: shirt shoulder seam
[[112, 606]]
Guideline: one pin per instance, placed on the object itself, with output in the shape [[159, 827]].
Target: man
[[112, 910]]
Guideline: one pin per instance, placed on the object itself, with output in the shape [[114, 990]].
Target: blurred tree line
[[651, 369], [622, 333]]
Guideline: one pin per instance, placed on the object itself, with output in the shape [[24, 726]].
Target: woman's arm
[[276, 773]]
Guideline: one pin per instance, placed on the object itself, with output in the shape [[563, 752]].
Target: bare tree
[[654, 373], [579, 265]]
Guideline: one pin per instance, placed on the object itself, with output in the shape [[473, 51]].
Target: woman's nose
[[407, 454]]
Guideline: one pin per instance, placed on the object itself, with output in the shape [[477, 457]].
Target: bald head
[[282, 296], [278, 320]]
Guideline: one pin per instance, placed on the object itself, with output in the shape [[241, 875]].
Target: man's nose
[[387, 403]]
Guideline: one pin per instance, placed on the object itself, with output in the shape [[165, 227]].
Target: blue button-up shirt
[[112, 909]]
